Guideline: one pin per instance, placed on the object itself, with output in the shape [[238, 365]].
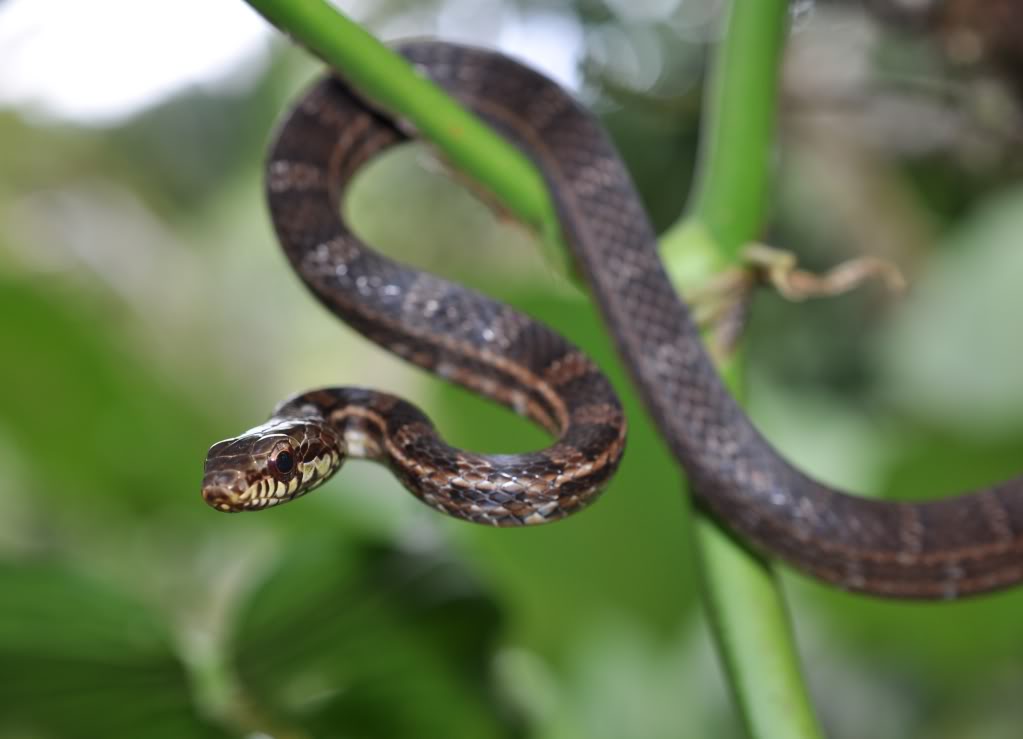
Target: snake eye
[[282, 462]]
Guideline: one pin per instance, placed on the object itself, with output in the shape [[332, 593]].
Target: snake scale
[[940, 549]]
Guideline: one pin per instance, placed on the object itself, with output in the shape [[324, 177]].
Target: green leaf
[[80, 659], [369, 643], [108, 431]]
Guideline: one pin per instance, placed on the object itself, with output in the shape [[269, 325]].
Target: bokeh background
[[146, 312]]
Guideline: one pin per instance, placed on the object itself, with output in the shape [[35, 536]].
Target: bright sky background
[[97, 62]]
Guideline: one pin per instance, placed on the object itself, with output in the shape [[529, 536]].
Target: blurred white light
[[550, 41], [104, 60]]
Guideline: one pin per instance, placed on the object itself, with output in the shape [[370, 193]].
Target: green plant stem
[[748, 613], [469, 144], [745, 604], [730, 197]]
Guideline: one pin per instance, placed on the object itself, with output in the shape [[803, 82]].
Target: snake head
[[270, 464]]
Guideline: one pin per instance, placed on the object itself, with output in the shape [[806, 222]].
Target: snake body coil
[[939, 549]]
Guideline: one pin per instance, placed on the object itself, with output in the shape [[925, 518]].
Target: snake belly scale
[[939, 549]]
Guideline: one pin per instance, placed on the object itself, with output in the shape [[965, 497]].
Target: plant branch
[[391, 82], [745, 604]]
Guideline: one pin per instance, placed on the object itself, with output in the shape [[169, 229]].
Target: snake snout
[[221, 490]]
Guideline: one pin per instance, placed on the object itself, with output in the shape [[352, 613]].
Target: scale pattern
[[940, 549]]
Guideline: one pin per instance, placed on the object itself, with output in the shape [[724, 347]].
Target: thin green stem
[[750, 621], [469, 144]]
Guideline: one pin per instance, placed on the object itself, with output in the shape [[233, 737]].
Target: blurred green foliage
[[146, 312]]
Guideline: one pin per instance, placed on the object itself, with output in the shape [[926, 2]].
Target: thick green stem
[[730, 197], [745, 604], [746, 607]]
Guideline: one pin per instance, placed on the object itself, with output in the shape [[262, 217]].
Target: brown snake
[[940, 549]]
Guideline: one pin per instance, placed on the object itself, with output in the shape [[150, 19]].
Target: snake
[[940, 549]]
